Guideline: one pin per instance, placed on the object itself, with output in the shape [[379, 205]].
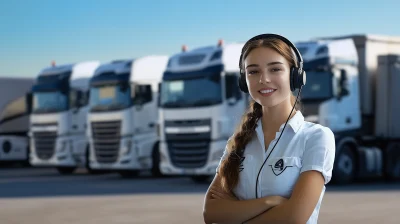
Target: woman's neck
[[274, 117]]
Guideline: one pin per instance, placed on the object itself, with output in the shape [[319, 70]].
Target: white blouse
[[303, 146]]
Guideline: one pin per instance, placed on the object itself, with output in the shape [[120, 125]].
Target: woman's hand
[[219, 194]]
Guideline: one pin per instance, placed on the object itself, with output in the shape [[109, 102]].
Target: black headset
[[297, 81], [297, 74]]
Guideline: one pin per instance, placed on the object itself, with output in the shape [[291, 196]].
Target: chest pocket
[[279, 176]]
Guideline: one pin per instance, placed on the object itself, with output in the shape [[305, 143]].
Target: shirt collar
[[294, 123]]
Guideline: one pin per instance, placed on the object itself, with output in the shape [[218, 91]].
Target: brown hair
[[229, 169]]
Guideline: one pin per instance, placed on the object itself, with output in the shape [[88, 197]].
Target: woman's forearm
[[231, 211], [282, 214]]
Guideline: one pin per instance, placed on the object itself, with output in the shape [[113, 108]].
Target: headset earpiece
[[243, 83]]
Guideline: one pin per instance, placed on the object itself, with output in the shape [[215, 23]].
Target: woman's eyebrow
[[274, 63]]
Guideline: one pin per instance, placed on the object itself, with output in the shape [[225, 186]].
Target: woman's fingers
[[221, 195], [216, 193]]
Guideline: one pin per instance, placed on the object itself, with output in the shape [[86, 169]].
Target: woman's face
[[267, 70]]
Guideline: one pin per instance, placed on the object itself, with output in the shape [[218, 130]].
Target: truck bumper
[[129, 157], [62, 156], [214, 156]]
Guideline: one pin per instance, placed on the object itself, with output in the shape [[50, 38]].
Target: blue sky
[[33, 33]]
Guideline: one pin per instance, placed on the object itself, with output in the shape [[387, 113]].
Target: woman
[[258, 180]]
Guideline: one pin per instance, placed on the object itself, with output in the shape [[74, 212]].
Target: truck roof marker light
[[184, 48]]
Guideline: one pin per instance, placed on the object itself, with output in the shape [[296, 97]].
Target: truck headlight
[[63, 146], [126, 149]]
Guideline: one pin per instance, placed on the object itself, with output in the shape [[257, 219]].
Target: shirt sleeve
[[224, 156], [319, 152]]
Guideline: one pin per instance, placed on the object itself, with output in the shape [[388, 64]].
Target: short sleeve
[[224, 156], [319, 152]]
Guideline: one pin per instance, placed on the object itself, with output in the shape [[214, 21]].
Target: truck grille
[[188, 150], [45, 142], [106, 140]]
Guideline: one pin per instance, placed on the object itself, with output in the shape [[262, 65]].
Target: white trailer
[[200, 106], [58, 119], [351, 89], [123, 117], [14, 119]]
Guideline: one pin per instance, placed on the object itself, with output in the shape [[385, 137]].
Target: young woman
[[258, 180]]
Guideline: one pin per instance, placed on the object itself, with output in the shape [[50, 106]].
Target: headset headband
[[264, 36]]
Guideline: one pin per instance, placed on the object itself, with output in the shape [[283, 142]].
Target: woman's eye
[[276, 69], [252, 72]]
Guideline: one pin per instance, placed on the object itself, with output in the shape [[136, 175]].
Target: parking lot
[[41, 195]]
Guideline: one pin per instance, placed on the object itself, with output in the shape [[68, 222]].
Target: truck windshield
[[110, 97], [193, 92], [318, 86], [49, 102]]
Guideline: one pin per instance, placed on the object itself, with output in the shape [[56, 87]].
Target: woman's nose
[[264, 78]]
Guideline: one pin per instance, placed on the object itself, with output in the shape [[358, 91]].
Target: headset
[[297, 81]]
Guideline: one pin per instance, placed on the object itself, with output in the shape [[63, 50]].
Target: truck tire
[[201, 179], [129, 173], [66, 170], [155, 170], [344, 169], [392, 168]]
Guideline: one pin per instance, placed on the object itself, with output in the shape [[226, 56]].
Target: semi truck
[[58, 118], [123, 116], [200, 105], [351, 88], [14, 119]]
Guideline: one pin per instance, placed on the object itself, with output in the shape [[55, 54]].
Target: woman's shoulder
[[317, 132]]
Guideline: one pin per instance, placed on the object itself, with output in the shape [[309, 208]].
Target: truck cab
[[341, 93], [200, 106], [123, 116], [58, 118]]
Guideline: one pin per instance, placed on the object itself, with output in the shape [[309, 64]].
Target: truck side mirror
[[79, 99], [343, 84], [29, 101]]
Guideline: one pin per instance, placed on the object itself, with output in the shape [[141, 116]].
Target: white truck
[[123, 116], [58, 119], [200, 106], [14, 119], [351, 88]]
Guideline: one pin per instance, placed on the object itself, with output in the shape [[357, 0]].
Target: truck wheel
[[201, 179], [345, 166], [392, 171], [129, 173], [155, 170], [66, 170]]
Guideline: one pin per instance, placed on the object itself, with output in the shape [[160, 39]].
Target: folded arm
[[232, 211], [300, 205]]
